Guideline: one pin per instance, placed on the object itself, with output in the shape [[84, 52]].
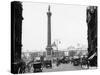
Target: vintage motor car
[[76, 61], [64, 60], [37, 67], [48, 63], [67, 60]]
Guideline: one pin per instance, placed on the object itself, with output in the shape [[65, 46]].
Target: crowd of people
[[38, 65]]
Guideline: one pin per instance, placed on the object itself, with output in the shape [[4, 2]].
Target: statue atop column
[[49, 47]]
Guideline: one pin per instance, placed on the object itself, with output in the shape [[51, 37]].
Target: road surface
[[62, 67]]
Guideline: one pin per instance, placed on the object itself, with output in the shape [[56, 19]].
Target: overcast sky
[[68, 24]]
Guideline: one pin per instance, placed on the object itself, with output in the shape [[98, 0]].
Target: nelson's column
[[49, 47]]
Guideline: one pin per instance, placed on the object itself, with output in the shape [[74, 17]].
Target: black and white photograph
[[51, 37]]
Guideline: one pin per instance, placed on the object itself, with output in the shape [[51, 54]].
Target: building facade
[[16, 35], [92, 34]]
